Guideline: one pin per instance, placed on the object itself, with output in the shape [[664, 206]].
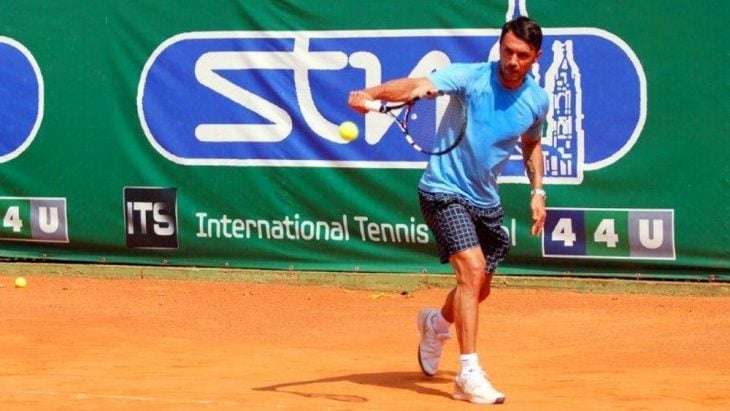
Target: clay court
[[88, 343]]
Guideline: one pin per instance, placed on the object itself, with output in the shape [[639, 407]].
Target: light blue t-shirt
[[492, 118]]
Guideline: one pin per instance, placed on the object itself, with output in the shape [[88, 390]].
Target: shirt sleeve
[[451, 79], [535, 131]]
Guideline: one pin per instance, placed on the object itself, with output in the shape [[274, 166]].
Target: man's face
[[515, 60]]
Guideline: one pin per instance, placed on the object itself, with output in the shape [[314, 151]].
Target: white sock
[[469, 362], [439, 323]]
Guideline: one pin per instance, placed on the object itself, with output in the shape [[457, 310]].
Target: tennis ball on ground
[[20, 282], [348, 131]]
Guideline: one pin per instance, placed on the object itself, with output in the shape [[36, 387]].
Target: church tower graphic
[[563, 137]]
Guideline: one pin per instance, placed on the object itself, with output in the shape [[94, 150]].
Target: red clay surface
[[112, 344]]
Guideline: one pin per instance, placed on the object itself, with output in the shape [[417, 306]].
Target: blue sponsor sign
[[276, 98], [21, 98]]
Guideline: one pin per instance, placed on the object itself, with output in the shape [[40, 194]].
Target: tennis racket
[[419, 120]]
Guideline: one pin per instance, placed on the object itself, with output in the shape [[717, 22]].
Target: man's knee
[[469, 266]]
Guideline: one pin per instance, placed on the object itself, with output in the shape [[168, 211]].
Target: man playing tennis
[[499, 105]]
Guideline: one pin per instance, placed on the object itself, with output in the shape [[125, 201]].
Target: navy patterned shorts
[[458, 224]]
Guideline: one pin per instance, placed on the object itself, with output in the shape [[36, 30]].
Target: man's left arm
[[533, 159]]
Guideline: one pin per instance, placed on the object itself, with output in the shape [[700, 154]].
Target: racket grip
[[374, 105]]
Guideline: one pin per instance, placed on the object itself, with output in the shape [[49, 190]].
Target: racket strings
[[421, 126]]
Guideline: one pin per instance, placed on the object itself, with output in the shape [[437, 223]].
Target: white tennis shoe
[[473, 386], [432, 342]]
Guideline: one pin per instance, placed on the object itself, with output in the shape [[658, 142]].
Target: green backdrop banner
[[205, 133]]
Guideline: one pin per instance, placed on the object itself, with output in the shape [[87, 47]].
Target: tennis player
[[500, 105]]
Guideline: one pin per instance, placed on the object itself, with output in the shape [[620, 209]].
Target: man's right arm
[[399, 90]]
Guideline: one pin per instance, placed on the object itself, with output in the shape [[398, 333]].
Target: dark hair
[[525, 29]]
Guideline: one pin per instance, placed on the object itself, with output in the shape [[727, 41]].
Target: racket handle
[[374, 105]]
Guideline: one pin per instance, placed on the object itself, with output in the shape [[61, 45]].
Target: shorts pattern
[[458, 225]]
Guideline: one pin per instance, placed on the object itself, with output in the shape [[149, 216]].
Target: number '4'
[[12, 219], [563, 231], [606, 233]]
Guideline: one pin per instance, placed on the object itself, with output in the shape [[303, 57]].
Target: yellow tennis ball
[[348, 131], [20, 282]]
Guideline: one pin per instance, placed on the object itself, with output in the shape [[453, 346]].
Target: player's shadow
[[413, 381]]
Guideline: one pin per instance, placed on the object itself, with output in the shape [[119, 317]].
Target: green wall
[[90, 143]]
